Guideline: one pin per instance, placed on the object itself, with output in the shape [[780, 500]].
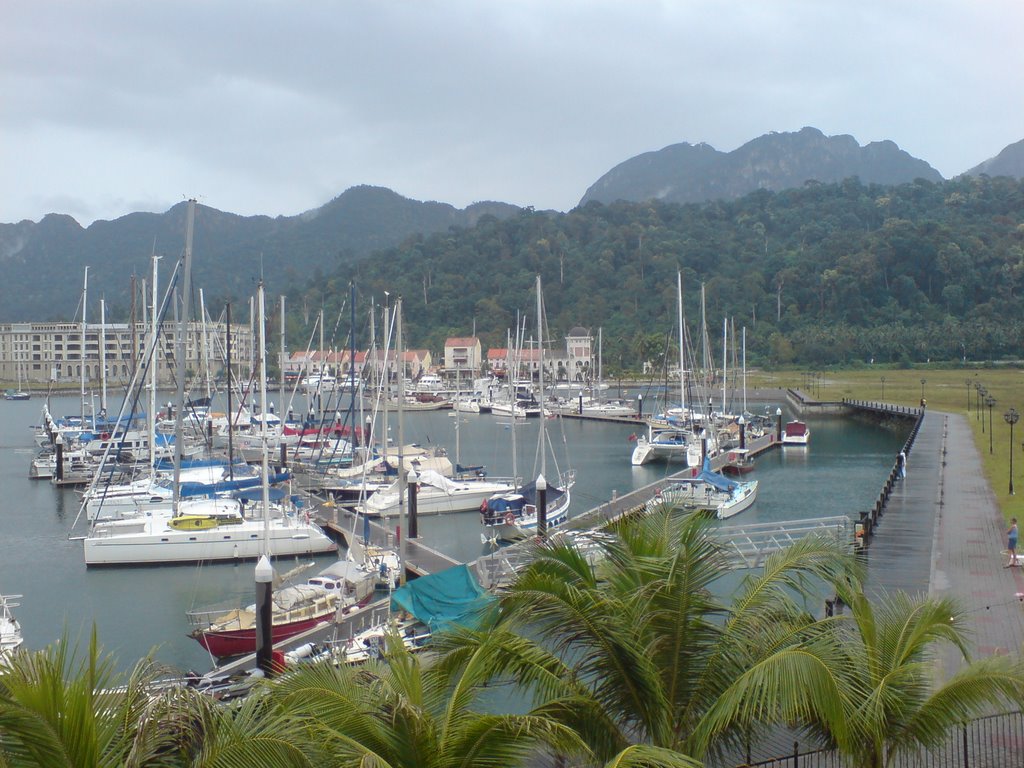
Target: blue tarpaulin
[[451, 597]]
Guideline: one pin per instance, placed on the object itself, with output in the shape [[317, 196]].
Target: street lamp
[[883, 388], [1011, 417], [981, 397], [922, 392], [990, 401], [968, 383]]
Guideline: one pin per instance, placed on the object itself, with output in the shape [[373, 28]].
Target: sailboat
[[677, 441], [436, 494], [512, 515], [201, 530], [19, 393]]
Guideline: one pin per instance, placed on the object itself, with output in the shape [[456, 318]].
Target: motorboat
[[437, 495], [796, 433], [10, 629]]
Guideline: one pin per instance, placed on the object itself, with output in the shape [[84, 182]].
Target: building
[[462, 356], [574, 363], [40, 353]]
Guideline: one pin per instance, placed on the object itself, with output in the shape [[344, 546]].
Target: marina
[[140, 609]]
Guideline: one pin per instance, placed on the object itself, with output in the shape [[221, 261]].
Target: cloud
[[271, 107]]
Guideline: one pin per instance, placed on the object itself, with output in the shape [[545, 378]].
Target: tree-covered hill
[[823, 274]]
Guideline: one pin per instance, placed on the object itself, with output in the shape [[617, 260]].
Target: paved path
[[942, 527]]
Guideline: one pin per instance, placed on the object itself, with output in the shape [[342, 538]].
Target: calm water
[[138, 609]]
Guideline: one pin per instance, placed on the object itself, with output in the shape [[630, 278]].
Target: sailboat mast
[[81, 351], [402, 479], [540, 377], [744, 358], [725, 358], [203, 343], [231, 412], [103, 356], [262, 373], [283, 358], [153, 364], [682, 341], [186, 301]]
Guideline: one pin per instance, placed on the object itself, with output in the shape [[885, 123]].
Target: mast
[[81, 351], [262, 373], [283, 353], [103, 357], [186, 301], [743, 348], [540, 378], [231, 412], [154, 362], [725, 358], [134, 330], [402, 479], [682, 357], [204, 351]]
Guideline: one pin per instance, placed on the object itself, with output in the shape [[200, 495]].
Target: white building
[[38, 353]]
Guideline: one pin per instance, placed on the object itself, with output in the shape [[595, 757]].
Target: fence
[[995, 741], [868, 520]]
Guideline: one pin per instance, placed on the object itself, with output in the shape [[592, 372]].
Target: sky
[[271, 107]]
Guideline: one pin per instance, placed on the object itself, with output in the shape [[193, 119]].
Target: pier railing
[[868, 519]]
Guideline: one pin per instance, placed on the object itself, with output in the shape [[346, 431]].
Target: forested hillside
[[824, 274]]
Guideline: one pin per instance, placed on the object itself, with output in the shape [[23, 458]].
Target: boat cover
[[716, 479], [451, 597]]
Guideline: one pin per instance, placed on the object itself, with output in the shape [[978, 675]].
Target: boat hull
[[152, 541], [237, 642]]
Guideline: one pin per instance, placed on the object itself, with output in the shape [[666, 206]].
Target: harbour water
[[139, 610]]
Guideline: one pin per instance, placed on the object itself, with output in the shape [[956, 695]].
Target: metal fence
[[995, 741]]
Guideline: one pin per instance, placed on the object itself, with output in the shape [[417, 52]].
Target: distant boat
[[16, 394], [10, 629], [796, 433]]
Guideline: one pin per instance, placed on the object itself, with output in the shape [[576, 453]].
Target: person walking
[[1011, 543], [901, 461]]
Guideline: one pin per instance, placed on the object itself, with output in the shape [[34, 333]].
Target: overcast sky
[[264, 107]]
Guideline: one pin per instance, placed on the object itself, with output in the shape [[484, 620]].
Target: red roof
[[462, 341]]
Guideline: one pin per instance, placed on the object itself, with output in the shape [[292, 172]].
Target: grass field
[[954, 390]]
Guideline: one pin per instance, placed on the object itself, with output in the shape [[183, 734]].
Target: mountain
[[688, 173], [1009, 162], [43, 263]]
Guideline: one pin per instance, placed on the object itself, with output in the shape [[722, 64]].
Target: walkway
[[942, 527]]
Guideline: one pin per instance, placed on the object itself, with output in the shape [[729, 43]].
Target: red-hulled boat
[[739, 462], [296, 608]]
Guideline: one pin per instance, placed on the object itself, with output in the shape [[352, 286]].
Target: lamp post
[[1011, 417], [922, 392], [982, 392], [968, 383], [883, 388], [990, 401]]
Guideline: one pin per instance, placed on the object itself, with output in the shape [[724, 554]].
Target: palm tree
[[627, 640], [895, 705], [57, 710], [401, 713]]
